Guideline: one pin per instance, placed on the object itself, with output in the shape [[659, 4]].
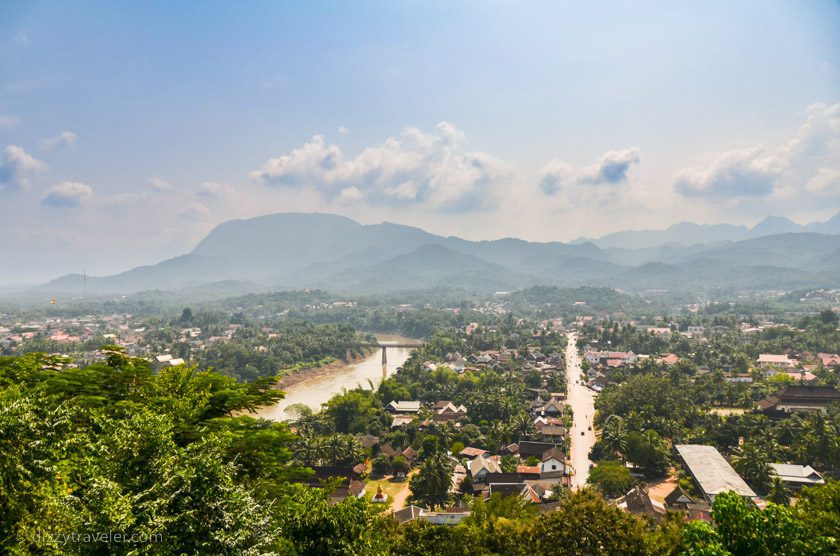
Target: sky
[[128, 130]]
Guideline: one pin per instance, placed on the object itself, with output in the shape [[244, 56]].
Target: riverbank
[[311, 373], [314, 386]]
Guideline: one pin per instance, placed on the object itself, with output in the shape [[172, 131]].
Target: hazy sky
[[127, 130]]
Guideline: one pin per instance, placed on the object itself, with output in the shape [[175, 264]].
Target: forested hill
[[292, 251]]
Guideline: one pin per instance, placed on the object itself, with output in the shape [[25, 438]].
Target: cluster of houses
[[530, 359], [799, 366], [117, 329]]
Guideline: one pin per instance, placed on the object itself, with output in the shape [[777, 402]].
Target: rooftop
[[711, 471]]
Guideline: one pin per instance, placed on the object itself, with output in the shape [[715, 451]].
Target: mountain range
[[294, 250]]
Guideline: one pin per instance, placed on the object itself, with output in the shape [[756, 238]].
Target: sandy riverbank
[[311, 373]]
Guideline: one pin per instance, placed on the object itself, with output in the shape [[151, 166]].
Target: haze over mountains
[[293, 250]]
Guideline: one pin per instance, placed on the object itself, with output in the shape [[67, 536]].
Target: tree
[[431, 485], [381, 465], [585, 524], [818, 507], [751, 463], [779, 493], [648, 451], [400, 465], [186, 316], [614, 436], [314, 526], [701, 539], [746, 530], [612, 478]]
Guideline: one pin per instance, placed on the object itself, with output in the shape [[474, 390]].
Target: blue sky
[[128, 130]]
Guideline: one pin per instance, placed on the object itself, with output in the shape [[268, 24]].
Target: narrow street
[[582, 401]]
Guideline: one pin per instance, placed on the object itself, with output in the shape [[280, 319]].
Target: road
[[582, 400]]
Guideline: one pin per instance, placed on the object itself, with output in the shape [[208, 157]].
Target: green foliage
[[351, 527], [776, 530], [752, 464], [115, 447], [430, 486], [612, 478], [819, 509], [699, 538]]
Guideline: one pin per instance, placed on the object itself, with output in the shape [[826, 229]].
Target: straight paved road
[[582, 400]]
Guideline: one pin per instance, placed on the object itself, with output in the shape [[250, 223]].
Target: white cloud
[[215, 189], [68, 194], [195, 211], [428, 169], [64, 140], [350, 196], [343, 130], [808, 162], [159, 184], [16, 165], [614, 167], [825, 183], [740, 173], [7, 121]]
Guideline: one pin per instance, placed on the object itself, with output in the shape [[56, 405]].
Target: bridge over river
[[385, 344], [320, 385]]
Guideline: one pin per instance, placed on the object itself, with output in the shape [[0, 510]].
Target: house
[[480, 467], [528, 448], [405, 515], [388, 451], [639, 502], [453, 517], [799, 398], [529, 471], [669, 359], [553, 462], [400, 420], [552, 433], [470, 452], [553, 407], [772, 360], [537, 404], [447, 411], [409, 453], [368, 441], [802, 376], [796, 476], [696, 330], [678, 499], [404, 406], [829, 359], [522, 490], [711, 472]]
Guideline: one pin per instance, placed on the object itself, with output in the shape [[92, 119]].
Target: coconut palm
[[614, 437], [779, 493], [751, 463]]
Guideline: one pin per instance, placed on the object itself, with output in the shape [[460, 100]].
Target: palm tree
[[614, 437], [522, 426], [779, 494], [751, 463], [335, 449]]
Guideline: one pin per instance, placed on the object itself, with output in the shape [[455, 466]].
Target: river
[[318, 389]]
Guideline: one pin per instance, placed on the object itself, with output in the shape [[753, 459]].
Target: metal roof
[[711, 471]]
